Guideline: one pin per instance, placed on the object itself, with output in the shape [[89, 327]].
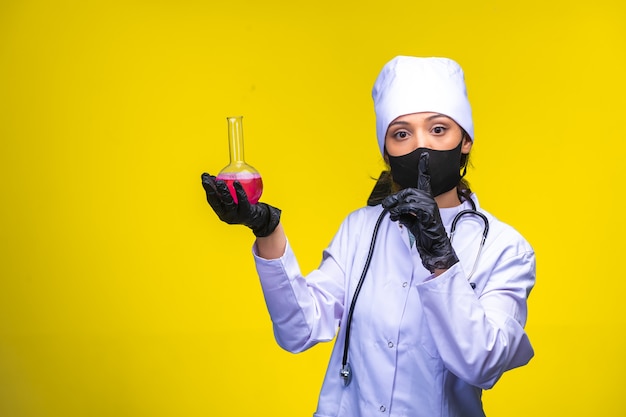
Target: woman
[[435, 322]]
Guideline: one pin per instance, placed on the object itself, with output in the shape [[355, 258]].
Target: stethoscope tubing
[[346, 372], [473, 212]]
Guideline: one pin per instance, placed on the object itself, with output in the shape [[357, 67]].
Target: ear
[[467, 144]]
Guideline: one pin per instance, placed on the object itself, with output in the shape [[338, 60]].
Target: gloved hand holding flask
[[260, 217], [416, 209]]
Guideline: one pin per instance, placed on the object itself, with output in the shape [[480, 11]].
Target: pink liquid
[[252, 184]]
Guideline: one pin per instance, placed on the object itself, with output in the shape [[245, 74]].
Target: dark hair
[[385, 185], [463, 189]]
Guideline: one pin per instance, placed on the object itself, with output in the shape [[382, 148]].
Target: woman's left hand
[[417, 210]]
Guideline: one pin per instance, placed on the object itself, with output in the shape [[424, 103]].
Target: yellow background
[[121, 294]]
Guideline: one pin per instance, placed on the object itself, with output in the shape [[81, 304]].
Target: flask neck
[[235, 139]]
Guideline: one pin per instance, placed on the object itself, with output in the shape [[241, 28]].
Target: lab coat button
[[404, 284], [390, 344], [382, 408]]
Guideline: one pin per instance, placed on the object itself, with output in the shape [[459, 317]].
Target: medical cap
[[408, 85]]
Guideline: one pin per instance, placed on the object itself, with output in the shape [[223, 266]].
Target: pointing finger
[[423, 177]]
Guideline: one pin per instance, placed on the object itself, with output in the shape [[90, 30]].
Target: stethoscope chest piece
[[346, 374]]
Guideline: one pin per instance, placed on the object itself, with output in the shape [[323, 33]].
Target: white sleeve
[[305, 310], [479, 337]]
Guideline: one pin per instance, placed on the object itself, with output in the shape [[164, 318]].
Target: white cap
[[408, 85]]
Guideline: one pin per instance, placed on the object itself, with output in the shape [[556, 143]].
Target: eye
[[402, 134], [439, 130]]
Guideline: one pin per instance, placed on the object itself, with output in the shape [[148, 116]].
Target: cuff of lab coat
[[274, 273]]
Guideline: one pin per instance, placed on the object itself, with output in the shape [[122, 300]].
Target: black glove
[[417, 210], [261, 218]]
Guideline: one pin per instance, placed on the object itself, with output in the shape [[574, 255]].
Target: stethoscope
[[346, 372]]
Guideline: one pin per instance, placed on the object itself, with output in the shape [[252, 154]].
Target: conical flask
[[238, 169]]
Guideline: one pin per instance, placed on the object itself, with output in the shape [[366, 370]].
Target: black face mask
[[444, 168]]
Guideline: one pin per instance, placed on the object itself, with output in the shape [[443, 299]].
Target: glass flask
[[238, 169]]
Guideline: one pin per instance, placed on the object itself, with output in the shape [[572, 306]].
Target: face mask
[[443, 167]]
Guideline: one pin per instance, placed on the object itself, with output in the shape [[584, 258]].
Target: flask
[[238, 169]]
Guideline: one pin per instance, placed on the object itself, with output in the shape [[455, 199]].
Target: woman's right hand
[[260, 217]]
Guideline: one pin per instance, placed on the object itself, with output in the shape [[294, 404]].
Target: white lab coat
[[420, 346]]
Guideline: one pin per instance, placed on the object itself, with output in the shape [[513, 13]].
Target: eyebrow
[[399, 122], [429, 118], [436, 116]]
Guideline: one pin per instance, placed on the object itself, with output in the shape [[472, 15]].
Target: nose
[[421, 140]]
